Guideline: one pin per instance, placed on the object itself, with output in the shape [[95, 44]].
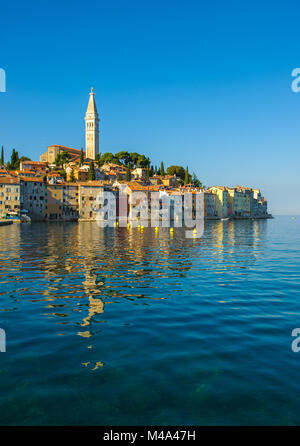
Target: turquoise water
[[118, 327]]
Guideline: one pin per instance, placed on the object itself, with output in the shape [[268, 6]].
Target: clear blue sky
[[203, 84]]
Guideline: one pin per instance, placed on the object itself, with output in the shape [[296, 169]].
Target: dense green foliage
[[176, 170], [195, 181], [128, 174], [2, 157], [81, 158], [124, 158], [92, 174], [72, 177], [186, 176], [62, 158], [14, 163]]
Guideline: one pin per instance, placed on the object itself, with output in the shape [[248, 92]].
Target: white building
[[92, 128]]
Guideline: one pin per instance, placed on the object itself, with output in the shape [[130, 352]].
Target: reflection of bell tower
[[91, 128]]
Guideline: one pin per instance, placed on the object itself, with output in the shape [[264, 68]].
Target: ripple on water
[[114, 326]]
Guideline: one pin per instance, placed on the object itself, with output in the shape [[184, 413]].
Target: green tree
[[123, 157], [14, 159], [147, 173], [97, 159], [143, 161], [62, 158], [162, 169], [63, 174], [128, 174], [187, 176], [2, 157], [81, 158], [57, 160], [195, 181], [72, 177], [65, 157], [155, 170], [176, 170], [92, 174], [14, 162], [108, 157], [134, 158]]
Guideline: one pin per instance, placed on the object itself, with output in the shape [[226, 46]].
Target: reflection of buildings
[[236, 242], [10, 248], [96, 306], [82, 267]]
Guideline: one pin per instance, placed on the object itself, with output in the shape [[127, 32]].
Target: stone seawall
[[5, 222]]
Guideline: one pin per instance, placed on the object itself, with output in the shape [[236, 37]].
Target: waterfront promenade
[[5, 222]]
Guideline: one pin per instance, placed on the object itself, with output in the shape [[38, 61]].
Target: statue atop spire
[[92, 128]]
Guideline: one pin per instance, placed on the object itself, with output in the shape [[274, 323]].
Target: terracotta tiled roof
[[37, 163], [20, 172], [65, 147], [139, 187], [33, 179], [54, 174], [8, 180], [91, 183]]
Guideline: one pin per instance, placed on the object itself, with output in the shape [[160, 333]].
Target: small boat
[[24, 217], [225, 218], [11, 215], [18, 216]]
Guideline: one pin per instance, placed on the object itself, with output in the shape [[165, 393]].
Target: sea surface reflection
[[125, 327]]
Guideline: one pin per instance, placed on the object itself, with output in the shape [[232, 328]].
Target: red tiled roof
[[40, 163], [66, 148], [9, 180], [33, 179]]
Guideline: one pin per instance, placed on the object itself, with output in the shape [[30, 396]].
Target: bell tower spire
[[91, 128]]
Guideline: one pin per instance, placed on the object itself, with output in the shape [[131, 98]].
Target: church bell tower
[[91, 128]]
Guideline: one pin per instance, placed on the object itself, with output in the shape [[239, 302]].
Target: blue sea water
[[122, 327]]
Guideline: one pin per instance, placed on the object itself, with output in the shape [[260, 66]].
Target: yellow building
[[239, 200], [221, 205], [80, 173], [54, 202], [53, 151], [90, 198], [9, 195], [210, 210]]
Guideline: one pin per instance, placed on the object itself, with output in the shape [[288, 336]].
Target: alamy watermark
[[154, 209], [2, 341], [295, 344], [295, 86], [2, 81]]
